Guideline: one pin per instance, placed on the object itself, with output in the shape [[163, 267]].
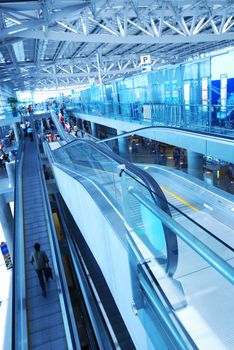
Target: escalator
[[166, 296], [37, 321]]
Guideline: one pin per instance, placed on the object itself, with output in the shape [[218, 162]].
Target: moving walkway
[[37, 321], [179, 284]]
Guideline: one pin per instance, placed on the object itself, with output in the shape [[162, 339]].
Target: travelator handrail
[[19, 294], [59, 274], [155, 192], [174, 128]]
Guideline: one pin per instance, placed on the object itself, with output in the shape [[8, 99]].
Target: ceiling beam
[[80, 75], [130, 39], [27, 25], [80, 60]]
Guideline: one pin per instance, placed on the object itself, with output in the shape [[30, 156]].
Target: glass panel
[[195, 287], [203, 170]]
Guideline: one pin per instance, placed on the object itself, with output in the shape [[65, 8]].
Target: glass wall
[[195, 95], [222, 88]]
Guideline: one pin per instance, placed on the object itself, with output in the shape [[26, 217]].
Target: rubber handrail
[[186, 131], [19, 313], [155, 192]]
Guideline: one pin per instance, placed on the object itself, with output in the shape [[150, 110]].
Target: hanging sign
[[146, 63], [6, 256]]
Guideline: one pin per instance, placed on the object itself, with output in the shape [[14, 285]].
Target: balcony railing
[[201, 117]]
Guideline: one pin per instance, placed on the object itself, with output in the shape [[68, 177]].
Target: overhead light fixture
[[18, 30], [66, 26], [13, 20]]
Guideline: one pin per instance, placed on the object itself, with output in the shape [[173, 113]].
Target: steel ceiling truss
[[86, 72], [67, 36]]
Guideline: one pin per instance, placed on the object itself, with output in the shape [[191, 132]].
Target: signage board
[[146, 63], [6, 256]]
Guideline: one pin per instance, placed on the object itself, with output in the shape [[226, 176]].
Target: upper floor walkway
[[191, 117]]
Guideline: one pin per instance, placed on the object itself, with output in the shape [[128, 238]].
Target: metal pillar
[[122, 143], [10, 168], [94, 129], [16, 132], [7, 222], [195, 164]]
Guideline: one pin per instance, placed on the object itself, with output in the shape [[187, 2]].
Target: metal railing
[[19, 294], [59, 274], [189, 116]]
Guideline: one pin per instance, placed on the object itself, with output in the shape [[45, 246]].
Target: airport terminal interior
[[117, 174]]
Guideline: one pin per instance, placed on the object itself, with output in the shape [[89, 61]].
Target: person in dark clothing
[[39, 260], [5, 157], [46, 172], [176, 157]]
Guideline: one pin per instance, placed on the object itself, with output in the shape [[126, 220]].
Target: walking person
[[28, 125], [30, 133], [39, 261], [176, 157], [24, 128]]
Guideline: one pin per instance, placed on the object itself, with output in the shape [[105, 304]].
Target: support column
[[10, 168], [82, 125], [16, 132], [7, 222], [195, 164], [94, 129], [123, 144]]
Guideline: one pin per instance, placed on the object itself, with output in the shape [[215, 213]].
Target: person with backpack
[[39, 260]]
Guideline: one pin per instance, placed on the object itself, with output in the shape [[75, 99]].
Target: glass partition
[[197, 283], [192, 162]]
